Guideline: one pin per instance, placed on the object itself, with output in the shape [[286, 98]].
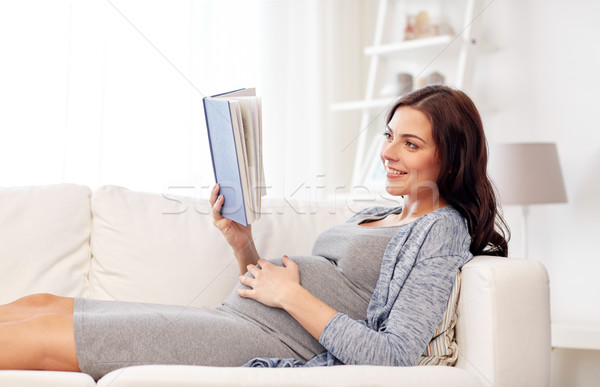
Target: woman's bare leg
[[45, 342], [35, 305], [36, 333]]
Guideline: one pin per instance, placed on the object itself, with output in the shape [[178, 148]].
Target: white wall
[[541, 83]]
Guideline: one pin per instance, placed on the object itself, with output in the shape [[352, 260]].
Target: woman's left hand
[[271, 284]]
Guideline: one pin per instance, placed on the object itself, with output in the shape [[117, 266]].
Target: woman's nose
[[389, 152]]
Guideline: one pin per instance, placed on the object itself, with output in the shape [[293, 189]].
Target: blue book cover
[[226, 167]]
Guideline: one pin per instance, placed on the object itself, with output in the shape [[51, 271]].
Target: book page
[[250, 117], [245, 172], [247, 107], [263, 188]]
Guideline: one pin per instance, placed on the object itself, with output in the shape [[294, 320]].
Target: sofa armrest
[[503, 326]]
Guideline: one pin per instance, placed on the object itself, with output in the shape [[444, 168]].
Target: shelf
[[433, 42], [576, 335], [361, 104], [410, 45]]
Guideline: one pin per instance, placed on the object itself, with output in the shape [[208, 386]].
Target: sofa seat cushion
[[44, 240], [45, 379], [347, 376]]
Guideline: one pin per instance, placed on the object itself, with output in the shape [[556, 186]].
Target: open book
[[234, 124]]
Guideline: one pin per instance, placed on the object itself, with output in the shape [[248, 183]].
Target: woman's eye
[[411, 145], [387, 135]]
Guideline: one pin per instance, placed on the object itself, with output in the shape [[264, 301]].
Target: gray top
[[342, 272], [356, 251], [413, 288]]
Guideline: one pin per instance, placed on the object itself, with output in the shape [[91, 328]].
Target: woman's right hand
[[238, 236]]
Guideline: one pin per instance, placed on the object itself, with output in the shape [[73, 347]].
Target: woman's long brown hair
[[462, 148]]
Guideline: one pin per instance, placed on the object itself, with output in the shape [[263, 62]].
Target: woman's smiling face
[[409, 156]]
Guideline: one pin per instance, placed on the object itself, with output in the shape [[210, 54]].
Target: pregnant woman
[[372, 291]]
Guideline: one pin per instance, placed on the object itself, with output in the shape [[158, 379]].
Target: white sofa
[[117, 244]]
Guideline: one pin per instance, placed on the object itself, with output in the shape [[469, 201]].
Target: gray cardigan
[[414, 285]]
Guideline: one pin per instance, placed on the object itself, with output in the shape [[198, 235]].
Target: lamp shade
[[527, 173]]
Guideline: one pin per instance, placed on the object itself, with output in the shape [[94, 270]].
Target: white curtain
[[110, 91]]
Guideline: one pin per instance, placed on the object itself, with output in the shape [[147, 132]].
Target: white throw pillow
[[159, 249], [44, 240]]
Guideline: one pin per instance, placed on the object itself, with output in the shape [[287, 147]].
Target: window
[[110, 92]]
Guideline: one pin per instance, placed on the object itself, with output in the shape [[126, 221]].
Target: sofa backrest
[[44, 240], [118, 244]]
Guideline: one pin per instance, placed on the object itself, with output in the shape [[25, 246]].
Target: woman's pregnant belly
[[323, 280]]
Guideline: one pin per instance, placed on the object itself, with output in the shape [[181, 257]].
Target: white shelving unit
[[461, 46]]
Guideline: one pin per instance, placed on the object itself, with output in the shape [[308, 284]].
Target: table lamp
[[526, 174]]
